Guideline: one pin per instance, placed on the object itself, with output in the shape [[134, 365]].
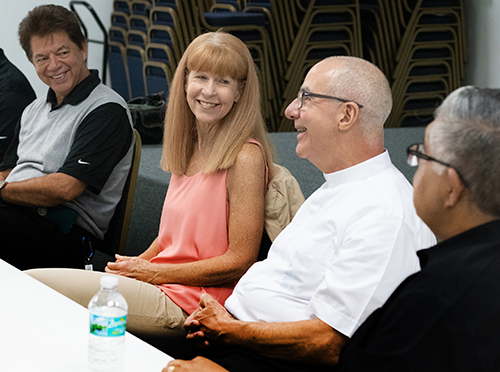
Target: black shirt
[[15, 94], [444, 318]]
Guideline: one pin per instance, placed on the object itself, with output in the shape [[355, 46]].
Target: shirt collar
[[359, 171], [78, 94], [467, 241], [3, 59]]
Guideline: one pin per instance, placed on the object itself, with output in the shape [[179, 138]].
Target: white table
[[41, 330]]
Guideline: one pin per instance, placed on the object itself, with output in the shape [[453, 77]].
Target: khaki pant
[[151, 313]]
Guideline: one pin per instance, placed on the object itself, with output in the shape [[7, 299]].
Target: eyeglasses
[[414, 153], [303, 94]]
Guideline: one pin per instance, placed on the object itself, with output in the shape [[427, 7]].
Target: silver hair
[[466, 135], [363, 82]]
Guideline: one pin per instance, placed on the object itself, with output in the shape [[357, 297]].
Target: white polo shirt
[[351, 243]]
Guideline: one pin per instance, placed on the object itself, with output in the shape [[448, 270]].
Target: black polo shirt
[[444, 318], [102, 138]]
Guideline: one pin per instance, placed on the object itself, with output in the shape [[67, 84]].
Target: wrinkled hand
[[209, 322], [133, 267], [198, 364]]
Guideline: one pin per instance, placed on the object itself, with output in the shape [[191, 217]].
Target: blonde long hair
[[225, 55]]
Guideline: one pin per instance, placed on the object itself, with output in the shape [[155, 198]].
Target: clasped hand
[[208, 323], [133, 267]]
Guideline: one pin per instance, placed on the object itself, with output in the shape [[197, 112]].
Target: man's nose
[[53, 62], [292, 112]]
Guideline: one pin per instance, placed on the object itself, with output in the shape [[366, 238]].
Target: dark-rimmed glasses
[[303, 94], [414, 153]]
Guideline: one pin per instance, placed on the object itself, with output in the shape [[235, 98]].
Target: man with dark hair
[[15, 94], [64, 172], [445, 317]]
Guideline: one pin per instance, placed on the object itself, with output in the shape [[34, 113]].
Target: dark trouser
[[244, 360], [28, 240]]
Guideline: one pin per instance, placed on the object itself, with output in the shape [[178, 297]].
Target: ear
[[456, 189], [241, 89], [84, 51], [350, 114]]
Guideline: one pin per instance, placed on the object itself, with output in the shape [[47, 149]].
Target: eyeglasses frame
[[421, 155], [303, 93]]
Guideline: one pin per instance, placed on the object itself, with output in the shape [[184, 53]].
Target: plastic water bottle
[[108, 319]]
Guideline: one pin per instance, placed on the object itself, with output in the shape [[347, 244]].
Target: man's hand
[[198, 364], [306, 340], [133, 267], [209, 322]]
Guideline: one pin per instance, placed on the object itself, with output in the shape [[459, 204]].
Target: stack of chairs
[[285, 38], [118, 40], [378, 33], [420, 46], [323, 28], [255, 27], [146, 40]]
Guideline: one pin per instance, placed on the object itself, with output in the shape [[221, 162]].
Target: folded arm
[[102, 139], [47, 191]]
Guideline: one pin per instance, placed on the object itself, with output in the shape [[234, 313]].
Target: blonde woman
[[216, 146]]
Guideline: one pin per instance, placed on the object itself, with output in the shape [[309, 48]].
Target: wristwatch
[[2, 185]]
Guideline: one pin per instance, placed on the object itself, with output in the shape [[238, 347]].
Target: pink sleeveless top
[[194, 226]]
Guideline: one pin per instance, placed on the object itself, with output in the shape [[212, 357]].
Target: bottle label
[[107, 326]]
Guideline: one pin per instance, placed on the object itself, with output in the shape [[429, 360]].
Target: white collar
[[359, 171]]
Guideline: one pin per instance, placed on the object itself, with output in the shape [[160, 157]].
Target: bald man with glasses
[[348, 247]]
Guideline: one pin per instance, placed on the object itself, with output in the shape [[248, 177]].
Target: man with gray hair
[[446, 317], [348, 247]]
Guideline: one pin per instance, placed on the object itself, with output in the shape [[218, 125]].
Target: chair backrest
[[136, 56], [158, 78], [160, 53], [118, 69], [115, 239], [120, 19]]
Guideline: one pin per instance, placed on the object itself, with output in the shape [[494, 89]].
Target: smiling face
[[316, 121], [59, 62], [211, 97]]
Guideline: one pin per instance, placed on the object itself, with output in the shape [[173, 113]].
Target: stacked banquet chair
[[285, 38], [325, 28], [147, 39], [420, 46], [255, 26], [118, 40]]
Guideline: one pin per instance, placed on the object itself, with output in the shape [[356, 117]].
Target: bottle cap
[[109, 281]]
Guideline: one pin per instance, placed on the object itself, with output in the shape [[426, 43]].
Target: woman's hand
[[135, 268]]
